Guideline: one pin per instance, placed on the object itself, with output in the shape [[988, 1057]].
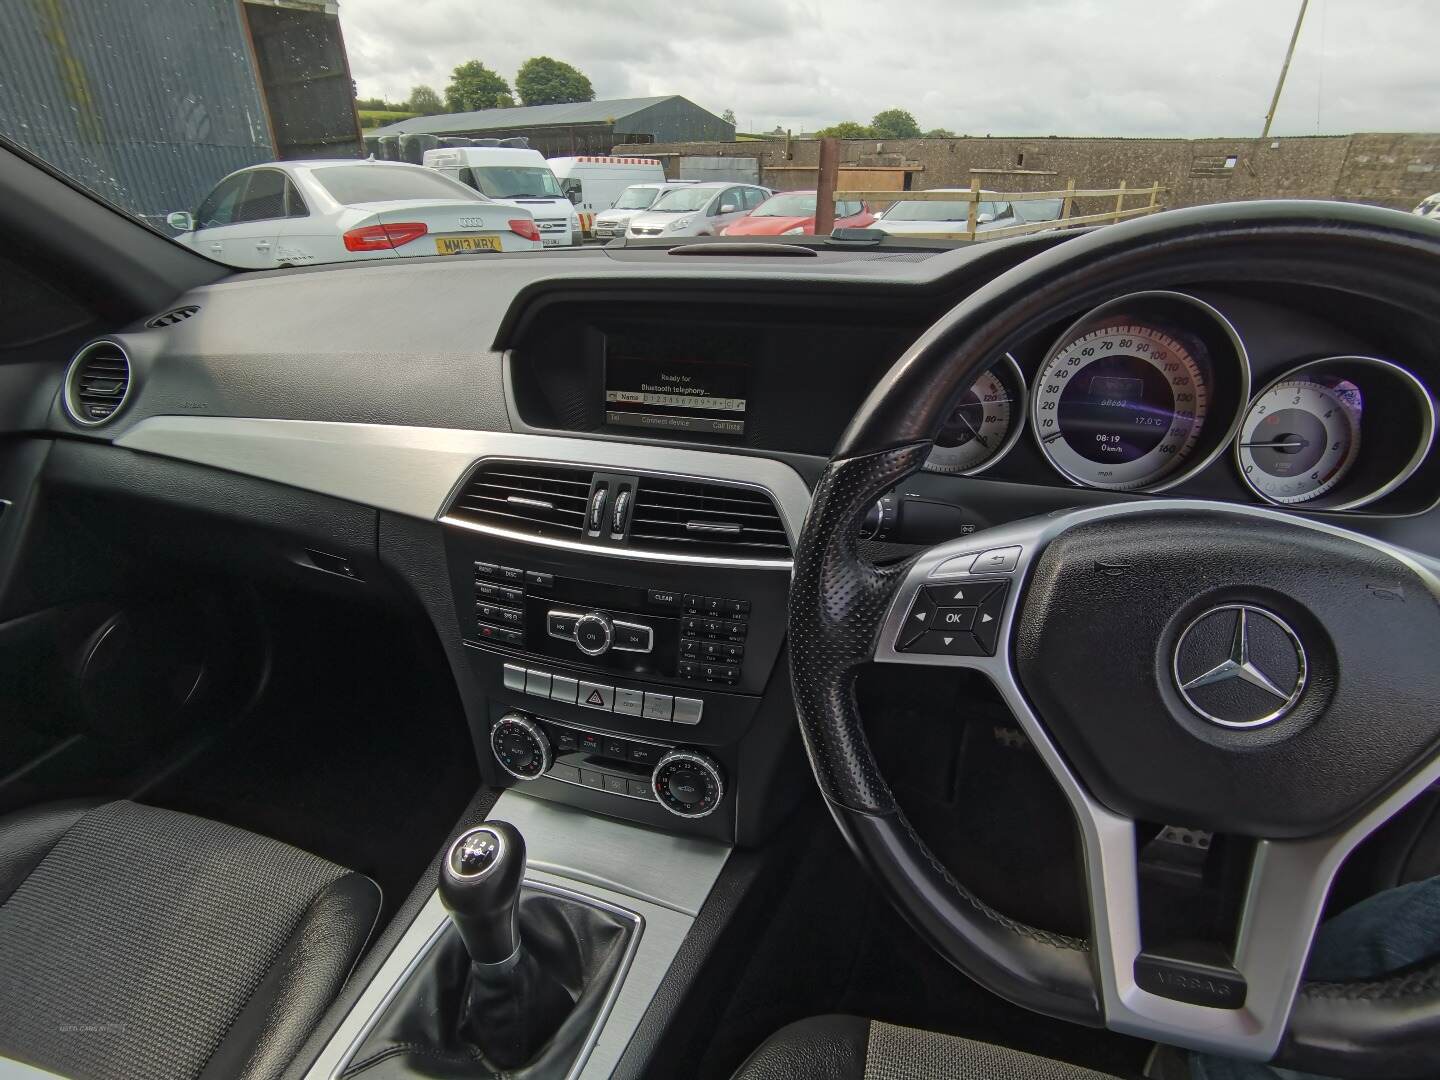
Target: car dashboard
[[590, 469]]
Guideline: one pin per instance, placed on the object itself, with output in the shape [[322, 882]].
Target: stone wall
[[1396, 170]]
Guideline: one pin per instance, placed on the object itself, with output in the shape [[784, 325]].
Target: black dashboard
[[590, 468]]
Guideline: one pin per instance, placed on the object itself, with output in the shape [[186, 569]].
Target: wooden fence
[[975, 196]]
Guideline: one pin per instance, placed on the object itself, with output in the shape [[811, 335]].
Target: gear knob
[[480, 886]]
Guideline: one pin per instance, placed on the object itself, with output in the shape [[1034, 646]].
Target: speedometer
[[1121, 403]]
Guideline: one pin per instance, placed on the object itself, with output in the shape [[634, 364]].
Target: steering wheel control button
[[988, 617], [594, 634], [1240, 666], [688, 783], [597, 696], [629, 702], [1193, 982], [996, 561], [659, 706], [919, 621], [520, 746], [954, 618], [954, 566]]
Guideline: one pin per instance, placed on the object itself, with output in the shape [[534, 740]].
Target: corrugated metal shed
[[147, 103]]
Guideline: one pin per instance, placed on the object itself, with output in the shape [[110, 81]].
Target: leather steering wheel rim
[[839, 600]]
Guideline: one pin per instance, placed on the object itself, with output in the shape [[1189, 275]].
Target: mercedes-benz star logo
[[1240, 666]]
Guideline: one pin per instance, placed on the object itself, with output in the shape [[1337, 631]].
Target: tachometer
[[1121, 404], [1300, 437], [984, 424]]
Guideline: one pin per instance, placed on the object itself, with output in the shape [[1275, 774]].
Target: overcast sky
[[1027, 67]]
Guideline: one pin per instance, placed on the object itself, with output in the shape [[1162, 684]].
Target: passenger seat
[[142, 943]]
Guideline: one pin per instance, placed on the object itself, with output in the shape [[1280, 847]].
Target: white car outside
[[1429, 208], [292, 213], [912, 217], [633, 201], [697, 210], [516, 176]]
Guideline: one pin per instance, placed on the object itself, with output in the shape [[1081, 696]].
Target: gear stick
[[512, 1005], [480, 886]]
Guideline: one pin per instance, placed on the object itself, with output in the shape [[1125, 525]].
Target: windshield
[[351, 184], [200, 118], [636, 198], [679, 200], [513, 181]]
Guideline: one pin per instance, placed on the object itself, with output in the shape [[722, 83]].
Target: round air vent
[[97, 384]]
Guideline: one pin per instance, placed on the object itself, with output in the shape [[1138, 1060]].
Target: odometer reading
[[1120, 406]]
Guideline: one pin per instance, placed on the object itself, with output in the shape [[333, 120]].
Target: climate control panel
[[687, 783]]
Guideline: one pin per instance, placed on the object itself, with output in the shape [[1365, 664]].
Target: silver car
[[697, 210], [633, 201]]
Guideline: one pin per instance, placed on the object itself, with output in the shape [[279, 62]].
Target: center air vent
[[170, 318], [526, 497], [700, 518], [97, 384]]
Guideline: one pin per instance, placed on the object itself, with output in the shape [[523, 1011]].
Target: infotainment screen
[[672, 384]]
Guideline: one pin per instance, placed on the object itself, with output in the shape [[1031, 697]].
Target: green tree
[[847, 129], [728, 116], [894, 124], [425, 101], [474, 86], [543, 81], [933, 133]]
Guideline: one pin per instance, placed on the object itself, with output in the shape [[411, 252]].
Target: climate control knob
[[688, 783], [521, 747], [593, 633]]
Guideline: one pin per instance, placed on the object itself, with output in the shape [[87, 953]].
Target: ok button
[[954, 618]]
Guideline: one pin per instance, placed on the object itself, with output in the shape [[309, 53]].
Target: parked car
[[594, 183], [698, 210], [911, 217], [1429, 208], [634, 200], [290, 213], [792, 213], [516, 176]]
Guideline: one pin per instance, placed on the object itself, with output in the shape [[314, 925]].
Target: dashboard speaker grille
[[523, 496], [701, 518], [98, 383]]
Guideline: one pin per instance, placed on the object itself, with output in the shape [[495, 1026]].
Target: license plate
[[550, 241], [454, 245]]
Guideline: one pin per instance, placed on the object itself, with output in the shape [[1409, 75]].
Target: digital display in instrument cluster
[[665, 383]]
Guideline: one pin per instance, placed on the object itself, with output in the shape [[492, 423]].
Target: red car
[[792, 213]]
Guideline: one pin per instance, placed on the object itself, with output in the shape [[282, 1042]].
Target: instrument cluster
[[1145, 391]]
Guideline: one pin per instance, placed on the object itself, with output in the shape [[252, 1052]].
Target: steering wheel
[[1082, 619]]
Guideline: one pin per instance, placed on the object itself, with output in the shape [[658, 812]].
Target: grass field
[[371, 118]]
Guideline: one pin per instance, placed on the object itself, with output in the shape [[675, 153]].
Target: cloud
[[1029, 67]]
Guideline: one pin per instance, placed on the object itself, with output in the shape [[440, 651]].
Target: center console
[[625, 667]]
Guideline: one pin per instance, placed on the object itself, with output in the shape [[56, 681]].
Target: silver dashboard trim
[[1289, 879], [415, 470]]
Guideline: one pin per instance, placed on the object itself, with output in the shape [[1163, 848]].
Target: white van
[[517, 177], [595, 183]]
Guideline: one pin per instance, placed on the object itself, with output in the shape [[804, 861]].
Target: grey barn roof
[[578, 112]]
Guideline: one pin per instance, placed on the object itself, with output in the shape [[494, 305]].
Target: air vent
[[706, 519], [170, 318], [523, 496], [97, 384]]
